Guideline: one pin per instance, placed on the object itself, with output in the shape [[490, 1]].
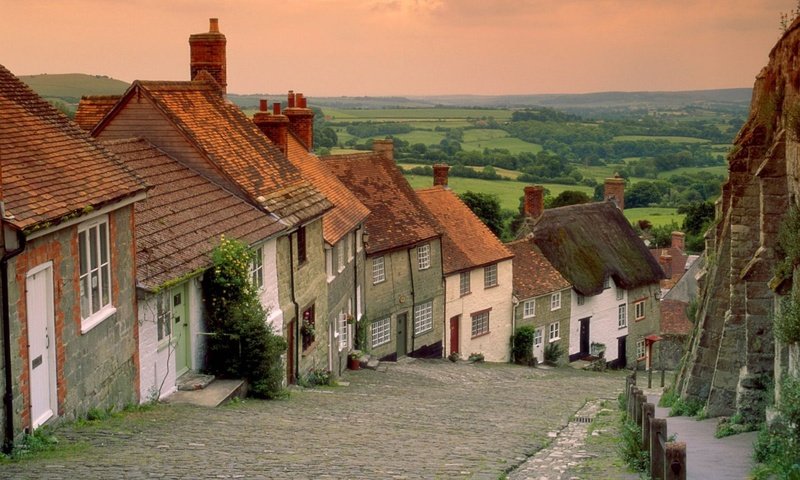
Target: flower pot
[[353, 363]]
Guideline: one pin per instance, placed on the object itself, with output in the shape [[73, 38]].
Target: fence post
[[648, 412], [658, 427], [675, 461], [649, 378], [632, 401], [662, 377], [637, 407]]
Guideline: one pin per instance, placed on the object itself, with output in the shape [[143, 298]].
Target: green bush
[[777, 447], [476, 357], [787, 321], [630, 447], [668, 398], [317, 378], [362, 335], [242, 343], [522, 341], [552, 352], [789, 243], [686, 408]]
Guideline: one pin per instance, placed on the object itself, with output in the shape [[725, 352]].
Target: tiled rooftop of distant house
[[534, 275]]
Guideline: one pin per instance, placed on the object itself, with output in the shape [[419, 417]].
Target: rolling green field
[[638, 138], [411, 114], [74, 85], [656, 216]]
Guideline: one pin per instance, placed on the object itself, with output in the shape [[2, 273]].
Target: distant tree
[[569, 197], [325, 137], [642, 194], [698, 216], [485, 206]]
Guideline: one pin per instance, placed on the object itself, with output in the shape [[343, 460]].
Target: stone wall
[[731, 357], [544, 316]]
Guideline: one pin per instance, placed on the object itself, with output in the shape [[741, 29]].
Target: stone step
[[193, 381], [214, 394], [373, 363]]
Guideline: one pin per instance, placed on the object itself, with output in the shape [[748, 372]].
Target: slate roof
[[673, 318], [92, 109], [588, 242], [51, 168], [184, 215], [534, 275], [348, 212], [397, 216], [230, 140], [466, 241]]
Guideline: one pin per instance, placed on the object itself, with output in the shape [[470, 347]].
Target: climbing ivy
[[787, 320], [789, 243]]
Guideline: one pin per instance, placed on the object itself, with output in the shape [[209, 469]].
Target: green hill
[[70, 87]]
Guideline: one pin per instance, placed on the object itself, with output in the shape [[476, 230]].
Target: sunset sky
[[405, 47]]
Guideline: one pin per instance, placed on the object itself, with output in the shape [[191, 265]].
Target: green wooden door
[[180, 329]]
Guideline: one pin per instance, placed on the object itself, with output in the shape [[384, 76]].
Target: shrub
[[733, 425], [630, 446], [552, 352], [362, 335], [454, 357], [522, 349], [789, 243], [242, 343], [686, 407], [668, 398], [787, 320], [317, 377], [476, 357]]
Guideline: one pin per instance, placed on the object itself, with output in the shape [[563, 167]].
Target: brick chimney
[[665, 260], [384, 147], [301, 119], [275, 125], [615, 190], [678, 240], [440, 174], [207, 52], [533, 205]]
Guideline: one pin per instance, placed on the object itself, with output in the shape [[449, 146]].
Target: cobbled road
[[412, 419]]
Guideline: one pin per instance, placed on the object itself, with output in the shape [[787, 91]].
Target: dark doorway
[[401, 334], [290, 353], [585, 336], [622, 358], [454, 334]]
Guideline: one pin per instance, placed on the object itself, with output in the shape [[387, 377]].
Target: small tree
[[523, 345], [243, 343]]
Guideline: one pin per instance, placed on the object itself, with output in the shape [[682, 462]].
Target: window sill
[[485, 287], [464, 294], [480, 335], [622, 327], [425, 268], [554, 309], [97, 318], [310, 349], [639, 319], [331, 278], [416, 334], [554, 340], [528, 317], [162, 344], [376, 283]]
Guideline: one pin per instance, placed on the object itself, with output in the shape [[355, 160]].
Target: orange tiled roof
[[673, 318], [534, 275], [230, 140], [50, 167], [92, 109], [466, 241], [348, 212], [181, 220], [677, 264], [397, 217]]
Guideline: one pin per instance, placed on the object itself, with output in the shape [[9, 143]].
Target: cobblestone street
[[414, 419]]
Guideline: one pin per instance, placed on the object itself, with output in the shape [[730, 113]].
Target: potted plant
[[307, 329], [354, 360], [350, 319]]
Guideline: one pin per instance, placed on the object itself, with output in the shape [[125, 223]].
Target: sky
[[405, 47]]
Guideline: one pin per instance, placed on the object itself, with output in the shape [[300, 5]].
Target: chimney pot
[[384, 147], [678, 240], [213, 25], [207, 52], [440, 174], [533, 205], [290, 100], [262, 105], [614, 189], [276, 108]]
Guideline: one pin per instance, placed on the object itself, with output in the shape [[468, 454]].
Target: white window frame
[[464, 283], [359, 239], [638, 309], [555, 301], [381, 332], [378, 270], [480, 323], [606, 282], [424, 257], [620, 293], [580, 299], [340, 256], [554, 332], [343, 331], [538, 337], [329, 263], [257, 269], [622, 316], [163, 316], [641, 349], [529, 309], [490, 276], [423, 317], [91, 316]]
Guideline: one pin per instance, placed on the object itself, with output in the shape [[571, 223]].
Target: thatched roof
[[588, 242]]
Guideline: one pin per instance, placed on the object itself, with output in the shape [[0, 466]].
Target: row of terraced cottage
[[109, 223]]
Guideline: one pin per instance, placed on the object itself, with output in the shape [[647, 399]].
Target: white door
[[41, 343], [538, 344]]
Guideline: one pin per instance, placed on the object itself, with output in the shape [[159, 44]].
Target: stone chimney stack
[[207, 52], [384, 147], [615, 190], [275, 126], [533, 206], [678, 240], [440, 174], [301, 119], [665, 260]]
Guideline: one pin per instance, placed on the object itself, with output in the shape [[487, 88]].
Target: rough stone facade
[[647, 324], [544, 316], [731, 360], [94, 369], [399, 293]]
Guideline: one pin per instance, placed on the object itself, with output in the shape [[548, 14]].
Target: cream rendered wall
[[494, 345], [269, 293], [603, 326]]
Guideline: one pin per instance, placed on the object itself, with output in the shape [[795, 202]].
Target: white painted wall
[[495, 345], [604, 324], [269, 294], [156, 362]]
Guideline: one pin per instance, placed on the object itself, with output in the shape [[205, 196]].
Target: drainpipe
[[514, 304], [296, 312], [413, 303], [8, 397], [355, 289]]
